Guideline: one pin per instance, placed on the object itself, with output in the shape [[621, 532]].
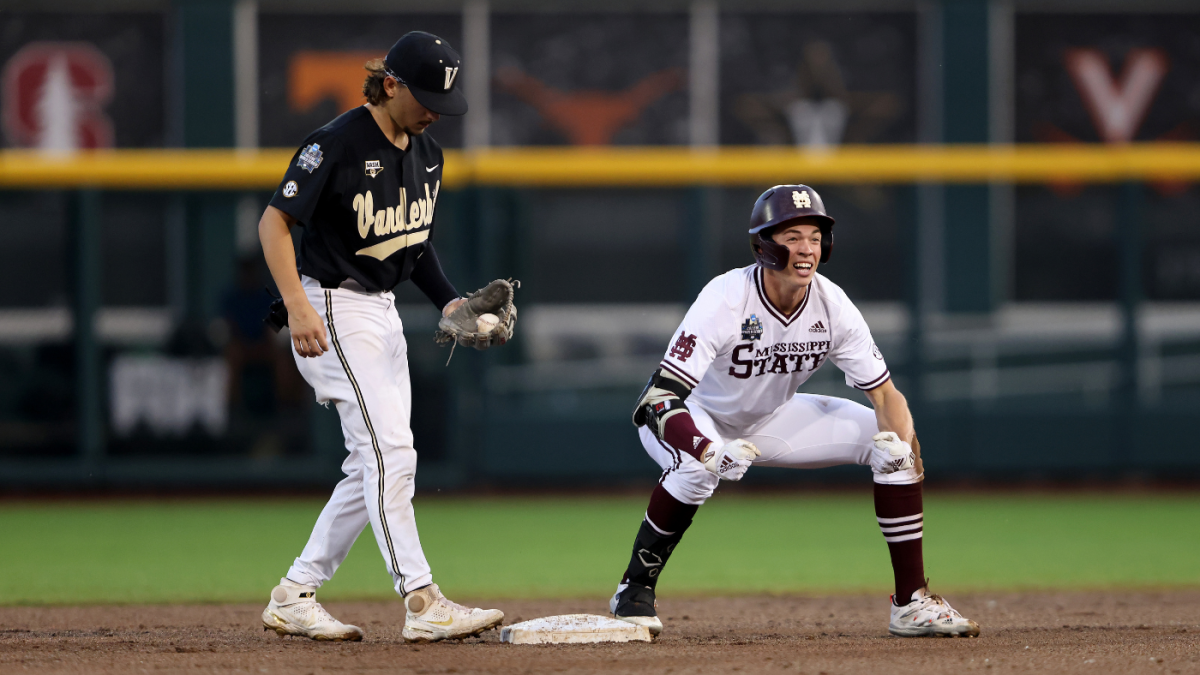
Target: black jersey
[[366, 206]]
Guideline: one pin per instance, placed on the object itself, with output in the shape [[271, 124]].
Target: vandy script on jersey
[[392, 219], [781, 355]]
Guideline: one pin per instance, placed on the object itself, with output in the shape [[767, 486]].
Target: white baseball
[[487, 323]]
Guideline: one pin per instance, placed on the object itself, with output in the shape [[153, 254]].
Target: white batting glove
[[890, 454], [731, 461]]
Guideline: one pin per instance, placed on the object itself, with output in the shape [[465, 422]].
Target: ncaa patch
[[752, 329], [372, 167], [290, 189], [310, 158]]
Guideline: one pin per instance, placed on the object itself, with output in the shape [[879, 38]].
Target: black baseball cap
[[428, 66]]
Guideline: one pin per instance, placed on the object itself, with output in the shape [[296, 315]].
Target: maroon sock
[[901, 519], [669, 515], [681, 433]]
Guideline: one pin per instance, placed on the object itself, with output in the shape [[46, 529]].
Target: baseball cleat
[[928, 615], [294, 610], [432, 617], [636, 604]]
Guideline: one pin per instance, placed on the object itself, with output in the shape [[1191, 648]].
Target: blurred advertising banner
[[589, 79], [818, 80], [1107, 78], [311, 68], [83, 80], [169, 396]]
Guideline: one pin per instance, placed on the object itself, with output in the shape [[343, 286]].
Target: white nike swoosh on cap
[[431, 168], [382, 250]]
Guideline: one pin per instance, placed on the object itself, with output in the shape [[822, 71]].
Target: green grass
[[235, 550]]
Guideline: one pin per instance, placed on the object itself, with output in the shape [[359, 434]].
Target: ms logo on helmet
[[801, 199]]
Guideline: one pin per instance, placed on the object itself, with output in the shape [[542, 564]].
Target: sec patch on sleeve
[[290, 189]]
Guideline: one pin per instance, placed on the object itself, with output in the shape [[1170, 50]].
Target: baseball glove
[[462, 328]]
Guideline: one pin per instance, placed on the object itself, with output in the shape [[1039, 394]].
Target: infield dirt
[[1030, 632]]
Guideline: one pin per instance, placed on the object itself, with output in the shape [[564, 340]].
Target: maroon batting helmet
[[777, 206]]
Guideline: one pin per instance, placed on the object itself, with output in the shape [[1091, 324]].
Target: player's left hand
[[732, 461], [460, 317], [890, 454]]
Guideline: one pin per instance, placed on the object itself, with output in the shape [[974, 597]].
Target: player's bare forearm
[[308, 332], [891, 410], [274, 232]]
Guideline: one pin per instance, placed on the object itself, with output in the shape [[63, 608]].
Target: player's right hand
[[308, 331], [732, 461], [889, 454]]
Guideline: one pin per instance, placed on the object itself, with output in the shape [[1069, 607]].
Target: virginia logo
[[1117, 105]]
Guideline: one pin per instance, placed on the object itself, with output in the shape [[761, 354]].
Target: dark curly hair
[[373, 86]]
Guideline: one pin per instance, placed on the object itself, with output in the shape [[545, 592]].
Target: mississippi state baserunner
[[724, 398]]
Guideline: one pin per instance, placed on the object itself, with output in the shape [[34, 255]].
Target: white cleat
[[432, 617], [637, 606], [294, 610], [928, 615]]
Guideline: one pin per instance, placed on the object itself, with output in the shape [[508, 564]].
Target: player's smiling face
[[803, 241]]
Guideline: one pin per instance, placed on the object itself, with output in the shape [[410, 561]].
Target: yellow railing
[[633, 167]]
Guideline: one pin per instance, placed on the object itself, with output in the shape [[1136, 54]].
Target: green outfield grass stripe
[[236, 550]]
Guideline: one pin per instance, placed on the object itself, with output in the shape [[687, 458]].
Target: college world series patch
[[752, 329], [310, 158]]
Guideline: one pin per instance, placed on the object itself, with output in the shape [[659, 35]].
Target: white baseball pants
[[365, 374], [807, 432]]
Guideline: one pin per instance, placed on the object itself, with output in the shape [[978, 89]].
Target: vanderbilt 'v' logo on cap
[[451, 73]]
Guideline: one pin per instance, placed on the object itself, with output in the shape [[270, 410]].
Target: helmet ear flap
[[768, 253], [826, 244]]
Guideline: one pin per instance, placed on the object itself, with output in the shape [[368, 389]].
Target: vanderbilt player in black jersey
[[364, 189]]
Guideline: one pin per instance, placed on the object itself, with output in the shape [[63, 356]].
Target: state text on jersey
[[777, 358]]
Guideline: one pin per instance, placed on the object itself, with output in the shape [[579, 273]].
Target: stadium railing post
[[1129, 235], [87, 283]]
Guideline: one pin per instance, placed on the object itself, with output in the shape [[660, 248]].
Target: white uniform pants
[[365, 374], [807, 432]]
